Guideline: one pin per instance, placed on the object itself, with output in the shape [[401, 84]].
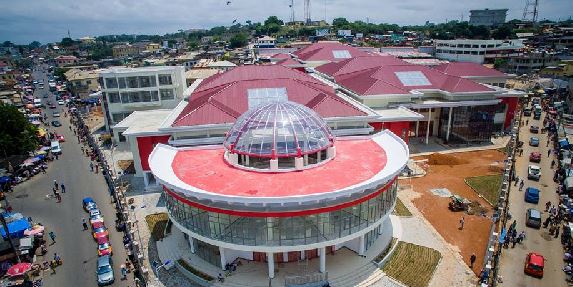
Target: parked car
[[45, 96], [103, 246], [534, 263], [61, 103], [60, 138], [52, 106], [533, 218], [88, 203], [527, 112], [104, 271], [56, 114], [535, 156], [55, 147], [56, 124], [533, 172], [534, 129], [100, 232], [534, 141], [531, 195]]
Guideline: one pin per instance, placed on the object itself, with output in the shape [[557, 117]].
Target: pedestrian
[[516, 181], [552, 164], [54, 191], [556, 232], [52, 236], [548, 152], [547, 206], [472, 260], [97, 168], [85, 224], [43, 168], [527, 122], [92, 166], [123, 272], [63, 187], [58, 197], [521, 185], [520, 152], [520, 237], [462, 221], [56, 155], [56, 184]]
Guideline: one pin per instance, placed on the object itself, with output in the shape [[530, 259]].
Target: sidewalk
[[418, 149]]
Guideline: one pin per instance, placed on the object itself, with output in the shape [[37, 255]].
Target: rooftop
[[143, 122], [222, 98], [468, 69], [328, 52], [127, 70], [201, 73], [221, 64]]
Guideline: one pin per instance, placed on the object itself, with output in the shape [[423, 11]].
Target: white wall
[[231, 255]]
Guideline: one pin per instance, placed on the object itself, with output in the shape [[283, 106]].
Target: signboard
[[322, 32], [359, 35], [344, 33]]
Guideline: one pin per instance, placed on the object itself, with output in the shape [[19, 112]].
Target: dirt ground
[[473, 238]]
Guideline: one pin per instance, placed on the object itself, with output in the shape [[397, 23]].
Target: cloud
[[48, 21]]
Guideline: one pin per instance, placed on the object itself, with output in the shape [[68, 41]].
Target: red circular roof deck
[[356, 161]]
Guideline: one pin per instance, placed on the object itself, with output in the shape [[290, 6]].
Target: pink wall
[[401, 129]]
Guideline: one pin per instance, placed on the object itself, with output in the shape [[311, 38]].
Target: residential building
[[87, 40], [65, 60], [221, 65], [198, 74], [152, 47], [487, 17], [82, 83], [265, 42], [126, 90], [126, 50], [562, 70], [531, 62], [477, 51]]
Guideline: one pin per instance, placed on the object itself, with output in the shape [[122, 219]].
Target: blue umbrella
[[5, 179]]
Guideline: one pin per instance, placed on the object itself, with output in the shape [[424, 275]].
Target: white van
[[55, 147], [37, 103]]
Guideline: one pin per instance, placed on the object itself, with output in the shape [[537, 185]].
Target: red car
[[100, 232], [534, 263], [98, 224], [103, 246], [60, 138], [535, 157]]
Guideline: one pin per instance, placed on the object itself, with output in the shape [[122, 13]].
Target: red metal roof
[[323, 51], [376, 75], [206, 169], [467, 69], [222, 98]]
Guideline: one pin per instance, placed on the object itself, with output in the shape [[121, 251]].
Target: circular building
[[281, 188]]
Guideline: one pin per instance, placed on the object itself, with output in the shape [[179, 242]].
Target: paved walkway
[[419, 149]]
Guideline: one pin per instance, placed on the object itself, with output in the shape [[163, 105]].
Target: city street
[[76, 247], [513, 259]]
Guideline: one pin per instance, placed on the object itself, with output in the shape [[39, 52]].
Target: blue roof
[[16, 228]]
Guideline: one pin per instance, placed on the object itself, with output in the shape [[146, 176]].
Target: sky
[[49, 20]]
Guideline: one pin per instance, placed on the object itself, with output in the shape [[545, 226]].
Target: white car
[[61, 103], [533, 172]]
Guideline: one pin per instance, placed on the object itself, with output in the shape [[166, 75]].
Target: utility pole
[[307, 11], [5, 226]]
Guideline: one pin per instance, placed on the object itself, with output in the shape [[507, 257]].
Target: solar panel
[[263, 96], [413, 78], [341, 54]]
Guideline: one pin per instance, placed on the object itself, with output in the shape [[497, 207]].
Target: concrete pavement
[[76, 247], [513, 259]]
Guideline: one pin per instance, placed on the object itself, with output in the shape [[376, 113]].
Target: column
[[303, 255], [191, 244], [361, 247], [428, 127], [145, 179], [322, 255], [449, 124], [417, 128], [271, 263], [223, 259]]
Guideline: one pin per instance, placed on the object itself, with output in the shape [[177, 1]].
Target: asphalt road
[[76, 247], [536, 240]]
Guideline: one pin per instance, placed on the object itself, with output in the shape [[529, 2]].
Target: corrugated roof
[[223, 97], [467, 69], [323, 51]]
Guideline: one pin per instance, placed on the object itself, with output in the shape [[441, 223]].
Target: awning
[[438, 104], [16, 228]]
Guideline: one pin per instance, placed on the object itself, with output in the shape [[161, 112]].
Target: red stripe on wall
[[278, 214]]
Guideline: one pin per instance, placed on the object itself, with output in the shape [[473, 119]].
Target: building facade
[[487, 17], [126, 50], [65, 60], [125, 90], [288, 145], [477, 51], [82, 83]]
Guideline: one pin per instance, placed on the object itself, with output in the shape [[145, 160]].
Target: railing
[[494, 247]]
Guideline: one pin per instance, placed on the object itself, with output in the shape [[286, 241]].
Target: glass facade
[[469, 124], [283, 231]]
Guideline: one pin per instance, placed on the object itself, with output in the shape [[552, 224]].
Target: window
[[341, 54], [121, 82], [413, 78], [144, 82], [165, 80], [139, 97], [167, 94], [113, 97], [110, 83], [125, 98], [154, 96], [257, 97], [88, 82], [118, 117], [132, 82]]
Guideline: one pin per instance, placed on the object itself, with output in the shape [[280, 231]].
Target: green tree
[[100, 51], [7, 44], [67, 42], [273, 20], [17, 135], [502, 33], [340, 23], [500, 63], [34, 45], [239, 40]]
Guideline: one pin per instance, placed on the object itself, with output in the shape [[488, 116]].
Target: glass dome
[[278, 130]]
